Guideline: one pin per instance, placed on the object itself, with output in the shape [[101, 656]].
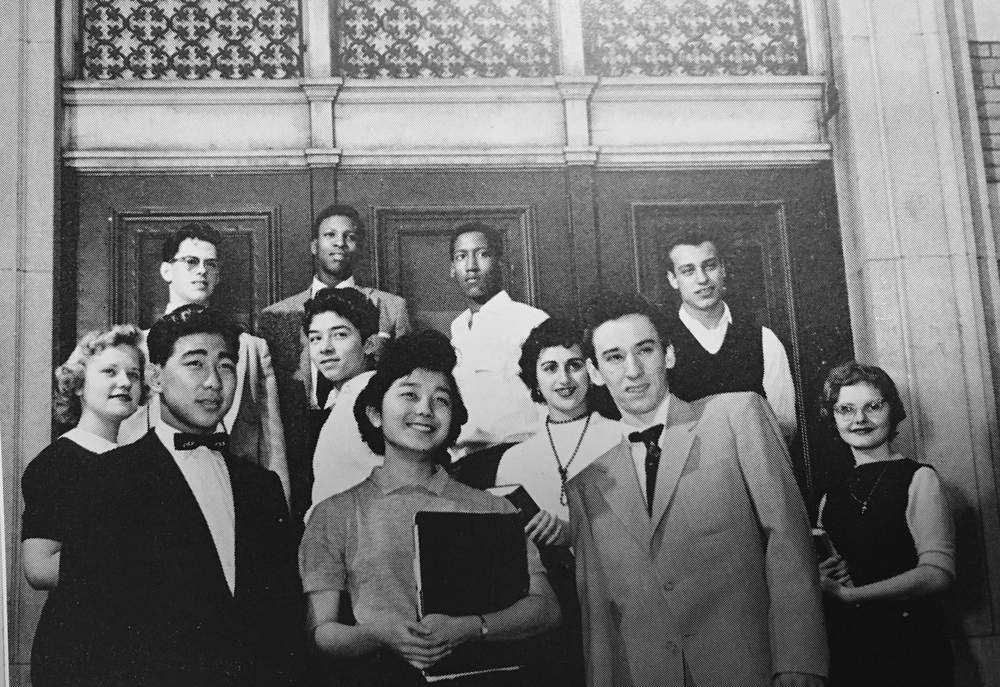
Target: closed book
[[519, 498], [470, 564]]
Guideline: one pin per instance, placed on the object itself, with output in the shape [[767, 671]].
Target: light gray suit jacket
[[721, 578]]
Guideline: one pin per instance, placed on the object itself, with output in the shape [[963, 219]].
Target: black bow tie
[[650, 436], [185, 442]]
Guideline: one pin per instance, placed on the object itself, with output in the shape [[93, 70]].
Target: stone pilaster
[[921, 267], [28, 154]]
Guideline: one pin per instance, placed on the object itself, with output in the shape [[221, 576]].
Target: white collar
[[659, 418], [692, 323], [496, 302], [318, 285], [89, 440]]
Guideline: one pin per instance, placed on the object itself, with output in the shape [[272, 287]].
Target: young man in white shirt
[[341, 328], [487, 338], [716, 352]]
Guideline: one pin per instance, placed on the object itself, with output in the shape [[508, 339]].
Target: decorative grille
[[191, 39], [445, 38], [693, 37]]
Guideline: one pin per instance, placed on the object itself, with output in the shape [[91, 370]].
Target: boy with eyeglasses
[[190, 266]]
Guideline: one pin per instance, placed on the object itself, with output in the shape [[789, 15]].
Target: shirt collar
[[434, 484], [498, 301], [89, 440], [692, 323], [318, 285], [659, 419]]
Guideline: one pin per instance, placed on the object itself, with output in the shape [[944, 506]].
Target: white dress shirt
[[777, 380], [207, 476], [638, 449], [342, 459], [488, 345]]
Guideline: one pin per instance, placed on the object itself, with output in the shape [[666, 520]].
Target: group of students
[[672, 546]]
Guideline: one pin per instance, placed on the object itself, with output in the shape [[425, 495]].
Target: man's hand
[[411, 640], [545, 528], [798, 680]]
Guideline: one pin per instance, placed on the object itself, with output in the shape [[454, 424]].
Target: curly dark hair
[[611, 305], [554, 331], [192, 230], [186, 320], [852, 372], [70, 375], [424, 350], [349, 303]]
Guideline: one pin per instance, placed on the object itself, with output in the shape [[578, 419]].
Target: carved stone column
[[921, 267]]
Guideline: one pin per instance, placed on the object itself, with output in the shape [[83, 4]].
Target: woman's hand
[[414, 641], [835, 578], [545, 528]]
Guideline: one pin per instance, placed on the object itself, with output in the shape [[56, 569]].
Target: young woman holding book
[[361, 541]]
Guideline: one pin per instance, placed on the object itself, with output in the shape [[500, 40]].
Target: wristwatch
[[483, 629]]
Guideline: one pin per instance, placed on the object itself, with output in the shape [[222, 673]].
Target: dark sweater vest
[[737, 366], [877, 543]]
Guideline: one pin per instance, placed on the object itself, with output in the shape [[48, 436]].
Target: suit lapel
[[181, 513], [622, 491], [677, 440]]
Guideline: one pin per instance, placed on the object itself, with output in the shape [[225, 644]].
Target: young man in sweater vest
[[717, 352]]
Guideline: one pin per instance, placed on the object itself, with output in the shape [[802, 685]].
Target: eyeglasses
[[851, 410], [191, 262]]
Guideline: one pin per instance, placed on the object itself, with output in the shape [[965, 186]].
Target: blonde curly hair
[[70, 375]]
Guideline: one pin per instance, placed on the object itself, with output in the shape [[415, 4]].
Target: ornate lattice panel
[[445, 38], [694, 37], [191, 39]]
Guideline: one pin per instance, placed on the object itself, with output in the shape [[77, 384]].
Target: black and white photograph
[[500, 343]]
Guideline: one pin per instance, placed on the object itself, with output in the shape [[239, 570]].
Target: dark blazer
[[281, 326], [168, 615], [721, 581]]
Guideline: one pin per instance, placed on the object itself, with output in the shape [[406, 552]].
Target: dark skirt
[[888, 645]]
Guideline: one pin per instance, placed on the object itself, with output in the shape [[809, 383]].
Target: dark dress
[[884, 643], [55, 488]]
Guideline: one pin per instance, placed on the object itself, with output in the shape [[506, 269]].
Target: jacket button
[[668, 586], [671, 647]]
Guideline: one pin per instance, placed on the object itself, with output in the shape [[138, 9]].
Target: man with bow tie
[[196, 556], [694, 560]]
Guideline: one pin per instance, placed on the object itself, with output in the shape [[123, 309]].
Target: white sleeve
[[929, 520], [778, 382]]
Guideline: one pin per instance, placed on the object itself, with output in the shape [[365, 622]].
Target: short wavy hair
[[494, 238], [424, 350], [186, 320], [852, 372], [554, 331], [612, 305], [349, 303], [69, 377], [202, 231]]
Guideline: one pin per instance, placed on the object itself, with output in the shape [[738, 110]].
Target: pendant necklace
[[564, 469], [864, 502]]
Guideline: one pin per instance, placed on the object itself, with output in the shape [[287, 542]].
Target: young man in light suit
[[694, 561], [337, 245], [190, 268]]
